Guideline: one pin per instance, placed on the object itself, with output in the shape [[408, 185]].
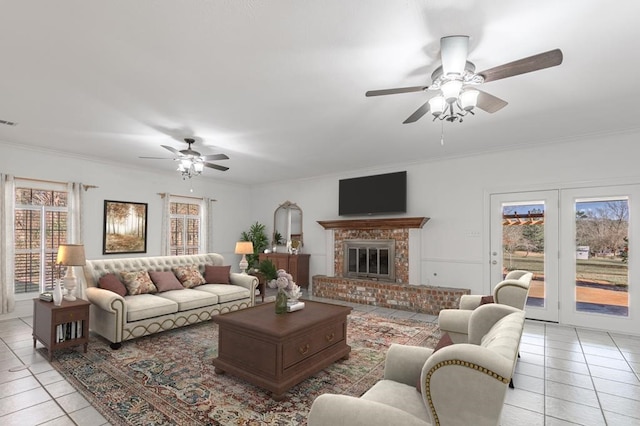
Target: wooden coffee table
[[276, 352]]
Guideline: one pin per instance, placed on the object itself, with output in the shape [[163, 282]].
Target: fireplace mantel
[[390, 223]]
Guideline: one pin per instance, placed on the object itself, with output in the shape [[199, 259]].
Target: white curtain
[[74, 229], [7, 277], [165, 242], [205, 226]]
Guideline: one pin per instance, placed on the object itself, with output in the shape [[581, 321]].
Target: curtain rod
[[86, 187], [164, 194]]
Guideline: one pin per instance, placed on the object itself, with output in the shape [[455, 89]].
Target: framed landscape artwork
[[125, 227]]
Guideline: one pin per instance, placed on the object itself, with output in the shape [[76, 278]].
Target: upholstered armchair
[[460, 384], [512, 291]]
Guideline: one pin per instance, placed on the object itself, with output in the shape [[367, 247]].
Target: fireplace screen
[[372, 259]]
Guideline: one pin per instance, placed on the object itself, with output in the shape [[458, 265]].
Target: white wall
[[453, 192]]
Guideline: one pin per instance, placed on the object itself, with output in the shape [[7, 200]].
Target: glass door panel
[[598, 249], [524, 230]]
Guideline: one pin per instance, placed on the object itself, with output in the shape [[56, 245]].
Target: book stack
[[294, 305], [46, 296], [69, 330]]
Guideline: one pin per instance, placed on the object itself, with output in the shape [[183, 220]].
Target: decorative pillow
[[486, 299], [445, 340], [217, 274], [112, 283], [138, 282], [189, 276], [165, 280]]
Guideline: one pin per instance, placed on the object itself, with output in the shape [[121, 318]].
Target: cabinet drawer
[[298, 350], [68, 315]]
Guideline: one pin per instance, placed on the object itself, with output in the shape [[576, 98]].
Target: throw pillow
[[445, 340], [112, 283], [485, 300], [217, 274], [189, 276], [165, 280], [138, 282]]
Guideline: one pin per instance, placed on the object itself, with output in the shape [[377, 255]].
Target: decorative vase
[[57, 293], [281, 302]]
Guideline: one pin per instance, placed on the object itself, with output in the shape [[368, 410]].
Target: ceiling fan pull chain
[[441, 132]]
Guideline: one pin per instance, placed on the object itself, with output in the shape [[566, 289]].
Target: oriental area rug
[[169, 379]]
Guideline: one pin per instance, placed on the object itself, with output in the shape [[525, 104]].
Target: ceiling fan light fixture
[[468, 99], [451, 90], [437, 105], [198, 167]]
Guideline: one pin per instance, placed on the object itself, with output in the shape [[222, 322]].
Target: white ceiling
[[278, 85]]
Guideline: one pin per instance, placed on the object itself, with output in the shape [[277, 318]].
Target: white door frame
[[568, 312], [548, 312]]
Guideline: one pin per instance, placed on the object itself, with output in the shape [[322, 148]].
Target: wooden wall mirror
[[287, 225]]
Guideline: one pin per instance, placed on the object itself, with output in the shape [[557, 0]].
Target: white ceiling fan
[[191, 163], [453, 91]]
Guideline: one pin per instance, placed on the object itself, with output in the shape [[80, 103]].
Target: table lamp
[[244, 248], [70, 255]]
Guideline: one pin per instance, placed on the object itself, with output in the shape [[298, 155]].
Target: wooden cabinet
[[61, 326], [295, 264]]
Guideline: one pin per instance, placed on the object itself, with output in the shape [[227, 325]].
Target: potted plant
[[257, 235]]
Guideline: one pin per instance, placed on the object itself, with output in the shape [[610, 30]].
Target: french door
[[524, 235], [599, 251], [582, 245]]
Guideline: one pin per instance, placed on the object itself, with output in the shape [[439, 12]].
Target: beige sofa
[[512, 291], [461, 384], [118, 318]]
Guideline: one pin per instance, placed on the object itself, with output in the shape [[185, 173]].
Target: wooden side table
[[58, 327]]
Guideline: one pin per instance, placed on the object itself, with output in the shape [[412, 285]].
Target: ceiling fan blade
[[418, 114], [537, 62], [158, 158], [453, 52], [172, 149], [213, 157], [217, 167], [490, 103], [394, 91]]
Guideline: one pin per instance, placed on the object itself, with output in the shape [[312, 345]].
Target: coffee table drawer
[[300, 349]]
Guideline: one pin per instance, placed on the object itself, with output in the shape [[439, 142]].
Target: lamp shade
[[468, 99], [244, 247], [71, 255], [437, 105], [451, 90]]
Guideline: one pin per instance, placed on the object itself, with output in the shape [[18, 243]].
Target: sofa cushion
[[217, 274], [189, 276], [138, 282], [165, 280], [226, 292], [143, 306], [400, 396], [188, 298], [112, 283]]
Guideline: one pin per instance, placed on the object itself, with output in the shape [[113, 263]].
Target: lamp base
[[69, 286], [244, 264]]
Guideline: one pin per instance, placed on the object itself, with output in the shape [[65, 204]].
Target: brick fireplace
[[404, 291]]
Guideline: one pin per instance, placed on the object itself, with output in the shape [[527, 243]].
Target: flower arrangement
[[285, 283]]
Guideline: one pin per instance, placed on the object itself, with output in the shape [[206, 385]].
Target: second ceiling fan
[[453, 91]]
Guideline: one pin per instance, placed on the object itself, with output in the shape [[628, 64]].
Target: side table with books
[[58, 327]]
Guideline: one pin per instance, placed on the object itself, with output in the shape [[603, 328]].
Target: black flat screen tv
[[377, 194]]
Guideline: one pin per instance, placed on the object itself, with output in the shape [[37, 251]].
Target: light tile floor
[[565, 376]]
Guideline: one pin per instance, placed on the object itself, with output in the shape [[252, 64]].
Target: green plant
[[268, 269], [277, 238], [257, 235]]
